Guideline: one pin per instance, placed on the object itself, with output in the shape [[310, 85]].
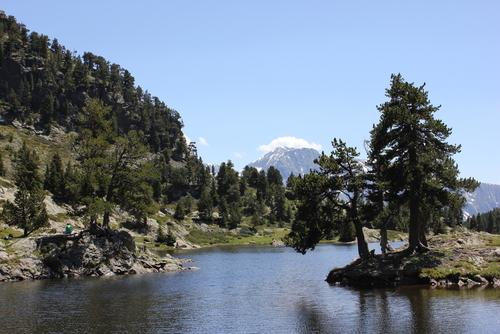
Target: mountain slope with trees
[[43, 84]]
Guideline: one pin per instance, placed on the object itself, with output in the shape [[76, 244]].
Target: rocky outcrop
[[378, 271], [97, 253]]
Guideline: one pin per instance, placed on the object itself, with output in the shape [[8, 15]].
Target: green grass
[[45, 148], [491, 270], [463, 268], [5, 183], [493, 240], [264, 236], [207, 238], [5, 232], [60, 217], [150, 244], [393, 235]]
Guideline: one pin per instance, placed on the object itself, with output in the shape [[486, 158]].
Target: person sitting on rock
[[68, 229]]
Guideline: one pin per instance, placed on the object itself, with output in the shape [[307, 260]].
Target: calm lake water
[[243, 290]]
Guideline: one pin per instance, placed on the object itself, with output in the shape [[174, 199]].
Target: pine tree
[[206, 205], [228, 191], [321, 203], [479, 222], [490, 222], [180, 210], [274, 177], [72, 184], [262, 186], [412, 144], [55, 180], [111, 164], [183, 207], [28, 210], [251, 176]]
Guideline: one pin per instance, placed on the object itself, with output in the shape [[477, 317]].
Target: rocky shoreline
[[388, 271], [461, 259], [94, 254]]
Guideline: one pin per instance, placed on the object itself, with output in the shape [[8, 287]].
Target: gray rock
[[481, 280], [467, 282], [4, 256], [277, 243]]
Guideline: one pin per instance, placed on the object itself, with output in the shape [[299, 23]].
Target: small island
[[458, 259]]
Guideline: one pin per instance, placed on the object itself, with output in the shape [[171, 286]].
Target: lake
[[243, 290]]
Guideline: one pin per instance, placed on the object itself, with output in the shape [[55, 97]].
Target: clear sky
[[242, 73]]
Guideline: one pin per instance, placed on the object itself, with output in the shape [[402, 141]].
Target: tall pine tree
[[411, 142], [28, 210]]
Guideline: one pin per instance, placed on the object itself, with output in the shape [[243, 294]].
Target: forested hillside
[[43, 84]]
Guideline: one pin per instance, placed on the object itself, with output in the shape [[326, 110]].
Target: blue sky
[[243, 73]]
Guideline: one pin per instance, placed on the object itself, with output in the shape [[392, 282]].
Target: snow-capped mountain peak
[[288, 160]]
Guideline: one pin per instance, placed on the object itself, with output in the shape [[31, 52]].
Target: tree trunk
[[94, 229], [423, 246], [93, 221], [384, 240], [414, 230], [105, 219], [363, 251]]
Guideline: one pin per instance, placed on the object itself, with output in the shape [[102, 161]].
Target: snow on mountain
[[288, 160], [485, 198]]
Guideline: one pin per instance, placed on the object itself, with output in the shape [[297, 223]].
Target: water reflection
[[310, 319], [404, 310]]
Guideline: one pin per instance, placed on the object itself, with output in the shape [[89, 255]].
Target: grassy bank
[[464, 254], [263, 236]]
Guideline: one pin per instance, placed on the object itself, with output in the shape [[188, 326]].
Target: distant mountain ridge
[[301, 161], [485, 198]]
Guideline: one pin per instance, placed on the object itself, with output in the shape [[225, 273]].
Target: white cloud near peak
[[290, 142]]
